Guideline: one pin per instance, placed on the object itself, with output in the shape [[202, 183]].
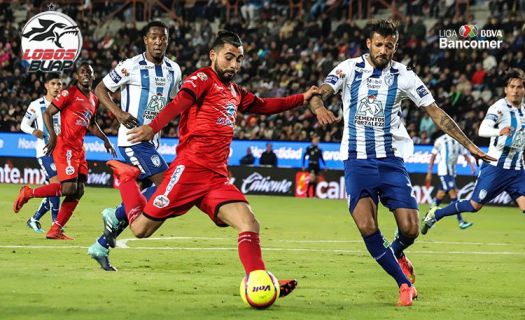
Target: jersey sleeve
[[493, 115], [27, 121], [119, 76], [437, 146], [177, 81], [62, 100], [336, 77], [197, 84], [417, 91]]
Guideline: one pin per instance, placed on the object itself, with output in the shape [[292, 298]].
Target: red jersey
[[207, 121], [76, 110]]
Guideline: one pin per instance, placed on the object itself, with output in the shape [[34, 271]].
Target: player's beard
[[380, 64], [221, 74]]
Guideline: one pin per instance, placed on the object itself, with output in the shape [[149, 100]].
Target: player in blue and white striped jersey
[[147, 82], [504, 123], [33, 124], [448, 151], [374, 142]]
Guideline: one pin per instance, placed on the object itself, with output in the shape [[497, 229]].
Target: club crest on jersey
[[370, 112], [156, 104], [161, 201], [155, 159]]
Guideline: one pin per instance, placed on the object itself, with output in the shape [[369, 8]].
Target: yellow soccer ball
[[259, 289]]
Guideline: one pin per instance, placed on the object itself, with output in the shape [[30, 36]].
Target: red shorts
[[70, 163], [185, 185]]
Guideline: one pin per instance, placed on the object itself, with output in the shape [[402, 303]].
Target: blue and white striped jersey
[[145, 89], [372, 107], [33, 120], [449, 151], [507, 149]]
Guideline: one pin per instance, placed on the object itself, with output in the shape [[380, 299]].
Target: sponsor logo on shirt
[[202, 76], [156, 104], [229, 118], [331, 79], [84, 119], [373, 83], [422, 91], [370, 113]]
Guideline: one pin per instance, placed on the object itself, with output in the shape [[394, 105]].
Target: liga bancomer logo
[[466, 38], [51, 42]]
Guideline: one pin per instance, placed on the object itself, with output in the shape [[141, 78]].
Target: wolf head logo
[[50, 30]]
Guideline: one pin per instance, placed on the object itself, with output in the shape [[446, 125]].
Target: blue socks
[[437, 201], [55, 206], [44, 207], [380, 250], [401, 243], [455, 208]]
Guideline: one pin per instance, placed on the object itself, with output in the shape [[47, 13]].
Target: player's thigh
[[239, 216], [396, 189], [361, 181], [490, 183], [224, 200], [407, 220], [157, 178], [143, 227]]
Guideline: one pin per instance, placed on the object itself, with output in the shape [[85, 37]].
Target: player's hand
[[313, 91], [110, 149], [50, 146], [325, 116], [127, 119], [507, 131], [142, 133], [478, 154], [38, 133]]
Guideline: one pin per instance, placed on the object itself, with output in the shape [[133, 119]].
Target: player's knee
[[409, 227], [247, 223], [477, 206], [367, 228], [141, 232], [69, 190]]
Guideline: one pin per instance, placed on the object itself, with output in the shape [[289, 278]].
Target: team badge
[[161, 201], [155, 159], [482, 194]]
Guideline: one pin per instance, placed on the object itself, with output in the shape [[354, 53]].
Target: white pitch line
[[275, 249]]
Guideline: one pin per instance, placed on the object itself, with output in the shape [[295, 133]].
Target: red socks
[[134, 200], [250, 251], [66, 210], [49, 190]]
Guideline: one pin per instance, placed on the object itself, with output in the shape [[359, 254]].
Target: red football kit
[[76, 110], [199, 175]]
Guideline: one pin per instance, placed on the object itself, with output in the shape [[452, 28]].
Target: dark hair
[[50, 76], [153, 24], [224, 37], [514, 73], [384, 27]]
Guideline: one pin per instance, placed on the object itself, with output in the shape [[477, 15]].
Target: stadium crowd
[[285, 55]]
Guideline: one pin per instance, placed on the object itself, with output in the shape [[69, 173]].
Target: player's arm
[[324, 116], [321, 158], [450, 127], [253, 104], [94, 128], [27, 124], [428, 178], [104, 96], [181, 103], [488, 128], [47, 116], [304, 157]]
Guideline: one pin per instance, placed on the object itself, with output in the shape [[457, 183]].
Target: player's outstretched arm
[[51, 110], [324, 116], [428, 178], [94, 128], [449, 126], [104, 96]]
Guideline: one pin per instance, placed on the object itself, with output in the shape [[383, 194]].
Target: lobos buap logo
[[51, 42]]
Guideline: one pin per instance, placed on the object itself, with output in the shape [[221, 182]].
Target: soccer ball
[[259, 289]]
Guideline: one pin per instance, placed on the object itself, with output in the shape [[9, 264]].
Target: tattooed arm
[[324, 116], [450, 127]]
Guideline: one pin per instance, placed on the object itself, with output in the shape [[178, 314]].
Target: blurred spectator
[[268, 157], [247, 159], [427, 125]]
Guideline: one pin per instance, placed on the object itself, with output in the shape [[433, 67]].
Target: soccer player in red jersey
[[207, 104], [77, 106]]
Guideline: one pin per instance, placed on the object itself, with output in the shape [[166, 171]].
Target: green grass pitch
[[191, 270]]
